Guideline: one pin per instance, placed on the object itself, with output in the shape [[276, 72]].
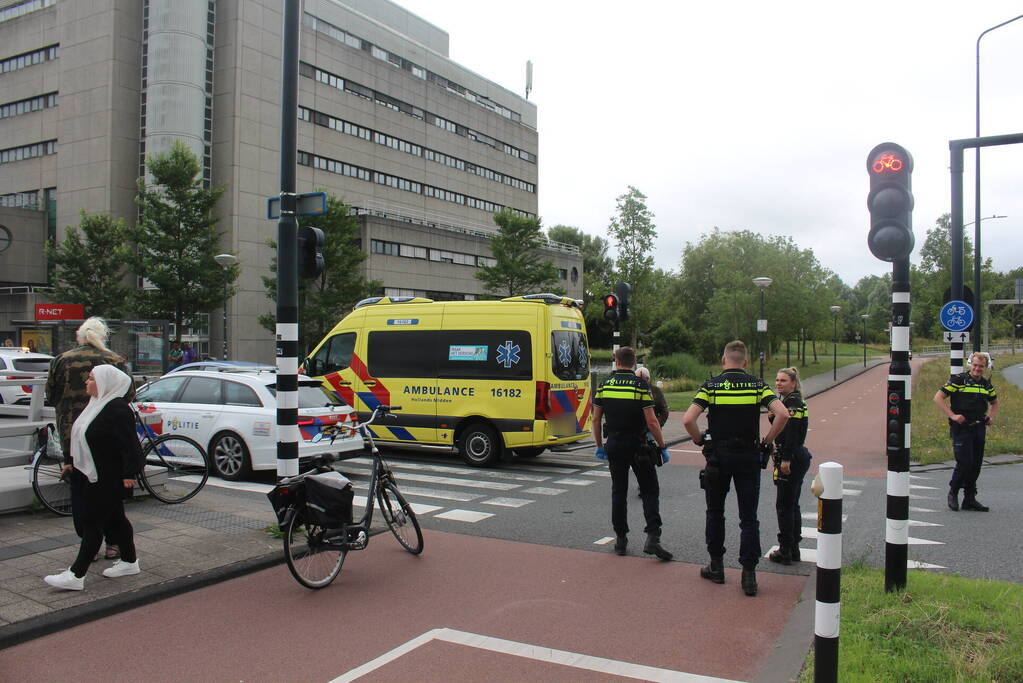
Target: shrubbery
[[677, 366]]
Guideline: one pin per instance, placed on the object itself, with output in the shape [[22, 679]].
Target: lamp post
[[1014, 335], [834, 347], [976, 192], [763, 283], [864, 317], [225, 261]]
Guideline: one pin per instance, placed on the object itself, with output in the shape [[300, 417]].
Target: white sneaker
[[122, 568], [66, 580]]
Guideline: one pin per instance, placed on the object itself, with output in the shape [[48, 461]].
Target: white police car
[[234, 416], [15, 362]]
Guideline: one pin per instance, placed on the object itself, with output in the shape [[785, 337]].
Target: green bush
[[677, 366], [671, 337]]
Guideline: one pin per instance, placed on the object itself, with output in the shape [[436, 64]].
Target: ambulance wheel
[[479, 445], [531, 452]]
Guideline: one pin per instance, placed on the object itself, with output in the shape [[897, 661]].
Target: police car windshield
[[311, 395]]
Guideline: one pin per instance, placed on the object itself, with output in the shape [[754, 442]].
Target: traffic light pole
[[287, 253], [900, 378]]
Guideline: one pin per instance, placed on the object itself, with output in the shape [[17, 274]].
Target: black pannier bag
[[328, 499]]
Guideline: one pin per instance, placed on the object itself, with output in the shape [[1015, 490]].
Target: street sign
[[959, 337], [956, 316], [761, 325], [308, 204]]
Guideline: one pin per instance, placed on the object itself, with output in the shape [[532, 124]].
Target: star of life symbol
[[508, 354], [583, 356], [564, 353]]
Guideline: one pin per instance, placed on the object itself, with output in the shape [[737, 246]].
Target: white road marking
[[598, 473], [918, 486], [851, 492], [916, 497], [543, 491], [913, 509], [443, 494], [470, 516], [508, 502], [913, 564], [923, 541], [808, 531], [448, 469], [234, 485], [538, 653], [915, 522], [573, 482], [604, 541]]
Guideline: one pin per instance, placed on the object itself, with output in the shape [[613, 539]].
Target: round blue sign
[[956, 316]]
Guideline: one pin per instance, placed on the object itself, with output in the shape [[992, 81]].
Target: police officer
[[623, 401], [971, 393], [734, 453], [791, 460]]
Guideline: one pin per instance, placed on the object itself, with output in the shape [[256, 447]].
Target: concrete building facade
[[423, 149]]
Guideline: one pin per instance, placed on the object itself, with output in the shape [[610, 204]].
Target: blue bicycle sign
[[956, 316]]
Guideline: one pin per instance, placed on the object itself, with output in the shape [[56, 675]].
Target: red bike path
[[604, 614]]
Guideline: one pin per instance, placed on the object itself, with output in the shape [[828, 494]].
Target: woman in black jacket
[[106, 455], [792, 460]]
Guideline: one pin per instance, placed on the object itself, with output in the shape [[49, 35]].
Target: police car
[[15, 363], [234, 416]]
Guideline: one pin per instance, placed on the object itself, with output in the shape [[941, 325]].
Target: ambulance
[[478, 377]]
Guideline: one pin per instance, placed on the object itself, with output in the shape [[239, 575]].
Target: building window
[[28, 106], [27, 59], [23, 8], [20, 200], [38, 149], [575, 275]]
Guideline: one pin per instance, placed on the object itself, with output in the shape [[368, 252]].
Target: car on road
[[221, 365], [234, 416], [14, 364]]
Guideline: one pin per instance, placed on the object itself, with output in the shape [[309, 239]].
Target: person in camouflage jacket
[[65, 390]]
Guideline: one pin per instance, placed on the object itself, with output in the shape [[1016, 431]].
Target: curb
[[45, 624]]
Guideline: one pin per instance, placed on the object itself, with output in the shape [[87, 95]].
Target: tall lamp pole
[[834, 347], [225, 261], [864, 317], [976, 203], [763, 283]]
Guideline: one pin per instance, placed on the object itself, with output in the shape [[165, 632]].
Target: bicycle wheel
[[400, 518], [312, 560], [176, 468], [52, 491]]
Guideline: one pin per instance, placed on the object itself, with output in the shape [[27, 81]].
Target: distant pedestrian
[[623, 401], [106, 457], [971, 396], [660, 403], [65, 391], [792, 460], [734, 453], [174, 357], [188, 354]]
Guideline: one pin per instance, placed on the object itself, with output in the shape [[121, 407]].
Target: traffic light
[[611, 307], [310, 253], [623, 289], [890, 202]]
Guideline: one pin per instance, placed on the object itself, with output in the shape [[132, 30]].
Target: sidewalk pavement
[[218, 535]]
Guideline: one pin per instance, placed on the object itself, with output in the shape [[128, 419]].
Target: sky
[[758, 116]]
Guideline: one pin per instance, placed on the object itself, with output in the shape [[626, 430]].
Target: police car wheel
[[230, 456], [531, 452], [479, 445]]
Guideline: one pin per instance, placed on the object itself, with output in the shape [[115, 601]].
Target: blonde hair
[[793, 374], [643, 373], [94, 332], [735, 352]]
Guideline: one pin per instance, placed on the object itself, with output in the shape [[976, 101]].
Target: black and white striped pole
[[827, 486], [287, 253], [890, 202]]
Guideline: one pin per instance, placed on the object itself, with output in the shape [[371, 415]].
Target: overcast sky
[[753, 115]]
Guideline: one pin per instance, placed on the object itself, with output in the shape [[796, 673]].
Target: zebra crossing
[[852, 488]]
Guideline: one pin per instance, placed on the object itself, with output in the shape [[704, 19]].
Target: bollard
[[827, 486]]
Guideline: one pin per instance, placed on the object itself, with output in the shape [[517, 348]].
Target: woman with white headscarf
[[106, 455]]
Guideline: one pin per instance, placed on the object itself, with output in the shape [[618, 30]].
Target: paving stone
[[22, 609]]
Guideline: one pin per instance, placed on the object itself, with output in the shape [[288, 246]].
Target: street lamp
[[225, 261], [864, 316], [763, 283], [976, 192], [1015, 334], [834, 347]]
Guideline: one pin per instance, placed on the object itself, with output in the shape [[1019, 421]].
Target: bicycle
[[175, 468], [314, 553]]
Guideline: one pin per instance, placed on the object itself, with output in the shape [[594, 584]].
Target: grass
[[941, 628], [930, 440]]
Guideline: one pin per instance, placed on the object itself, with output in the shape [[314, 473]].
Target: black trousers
[[620, 459], [102, 508], [790, 519], [78, 507], [968, 449], [742, 470]]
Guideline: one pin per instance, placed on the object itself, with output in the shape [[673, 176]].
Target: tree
[[520, 267], [324, 301], [597, 271], [633, 232], [176, 240], [90, 265]]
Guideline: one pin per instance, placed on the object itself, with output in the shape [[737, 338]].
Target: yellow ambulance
[[479, 377]]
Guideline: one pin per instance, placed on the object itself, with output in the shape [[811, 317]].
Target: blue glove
[[665, 456], [600, 454]]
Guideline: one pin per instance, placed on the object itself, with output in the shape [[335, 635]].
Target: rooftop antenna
[[529, 77]]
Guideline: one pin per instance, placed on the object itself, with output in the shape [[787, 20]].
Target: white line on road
[[470, 516], [508, 502], [604, 541]]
